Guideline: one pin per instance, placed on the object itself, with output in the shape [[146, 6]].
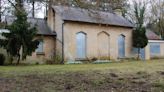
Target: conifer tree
[[20, 40]]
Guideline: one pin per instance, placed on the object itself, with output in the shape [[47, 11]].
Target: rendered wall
[[92, 31]]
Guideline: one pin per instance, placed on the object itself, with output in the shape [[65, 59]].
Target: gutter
[[62, 62]]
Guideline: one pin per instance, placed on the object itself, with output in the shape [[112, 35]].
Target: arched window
[[121, 46], [103, 44], [81, 45]]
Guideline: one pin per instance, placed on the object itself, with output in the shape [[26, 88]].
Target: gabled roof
[[91, 16], [41, 25], [151, 35]]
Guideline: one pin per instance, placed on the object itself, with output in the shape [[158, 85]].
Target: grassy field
[[134, 76]]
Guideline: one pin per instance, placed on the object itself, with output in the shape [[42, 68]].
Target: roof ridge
[[11, 16], [81, 8]]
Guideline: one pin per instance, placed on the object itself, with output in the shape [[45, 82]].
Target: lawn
[[134, 76]]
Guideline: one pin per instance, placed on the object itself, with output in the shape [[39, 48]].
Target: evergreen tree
[[20, 40], [139, 37]]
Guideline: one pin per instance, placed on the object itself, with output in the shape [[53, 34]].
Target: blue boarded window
[[121, 46], [81, 45], [154, 49], [142, 52]]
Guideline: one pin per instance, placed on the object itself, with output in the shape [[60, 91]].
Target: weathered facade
[[155, 47], [47, 38], [85, 34], [80, 34], [47, 50]]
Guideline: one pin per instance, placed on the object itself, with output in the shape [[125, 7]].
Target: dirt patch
[[160, 72], [94, 81], [113, 75], [7, 84]]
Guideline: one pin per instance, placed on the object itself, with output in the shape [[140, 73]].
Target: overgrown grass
[[131, 76]]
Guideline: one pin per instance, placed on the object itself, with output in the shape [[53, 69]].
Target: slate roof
[[41, 24], [151, 35], [91, 16]]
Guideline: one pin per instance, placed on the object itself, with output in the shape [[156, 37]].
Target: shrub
[[104, 58], [94, 59], [57, 59], [54, 60], [2, 59], [36, 63], [49, 62], [157, 57], [90, 59]]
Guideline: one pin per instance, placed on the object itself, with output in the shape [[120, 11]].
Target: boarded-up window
[[81, 45], [121, 46], [103, 44], [142, 52], [154, 49]]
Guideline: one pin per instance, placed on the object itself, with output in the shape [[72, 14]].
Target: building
[[84, 34], [46, 48], [155, 47], [81, 34]]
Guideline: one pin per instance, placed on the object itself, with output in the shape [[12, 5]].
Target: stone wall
[[48, 49], [147, 49]]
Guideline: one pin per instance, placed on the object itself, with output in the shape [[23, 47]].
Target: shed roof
[[41, 25], [91, 16], [151, 35]]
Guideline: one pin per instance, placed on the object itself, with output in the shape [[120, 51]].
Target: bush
[[94, 59], [54, 60], [104, 58], [157, 57], [2, 59], [57, 59]]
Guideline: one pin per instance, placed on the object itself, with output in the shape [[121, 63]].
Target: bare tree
[[104, 5], [157, 16]]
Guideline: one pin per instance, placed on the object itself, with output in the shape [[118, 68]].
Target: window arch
[[103, 32], [121, 46], [81, 38]]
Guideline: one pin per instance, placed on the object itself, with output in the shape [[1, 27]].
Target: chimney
[[118, 12]]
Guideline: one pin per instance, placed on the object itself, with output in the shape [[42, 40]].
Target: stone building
[[46, 37], [84, 34]]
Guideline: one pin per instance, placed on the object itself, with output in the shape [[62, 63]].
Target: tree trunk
[[138, 57], [18, 59], [33, 9], [10, 59], [0, 12]]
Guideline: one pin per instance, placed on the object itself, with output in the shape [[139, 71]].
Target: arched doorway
[[121, 46], [81, 45]]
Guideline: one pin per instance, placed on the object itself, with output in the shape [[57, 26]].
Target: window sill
[[40, 53], [81, 59]]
